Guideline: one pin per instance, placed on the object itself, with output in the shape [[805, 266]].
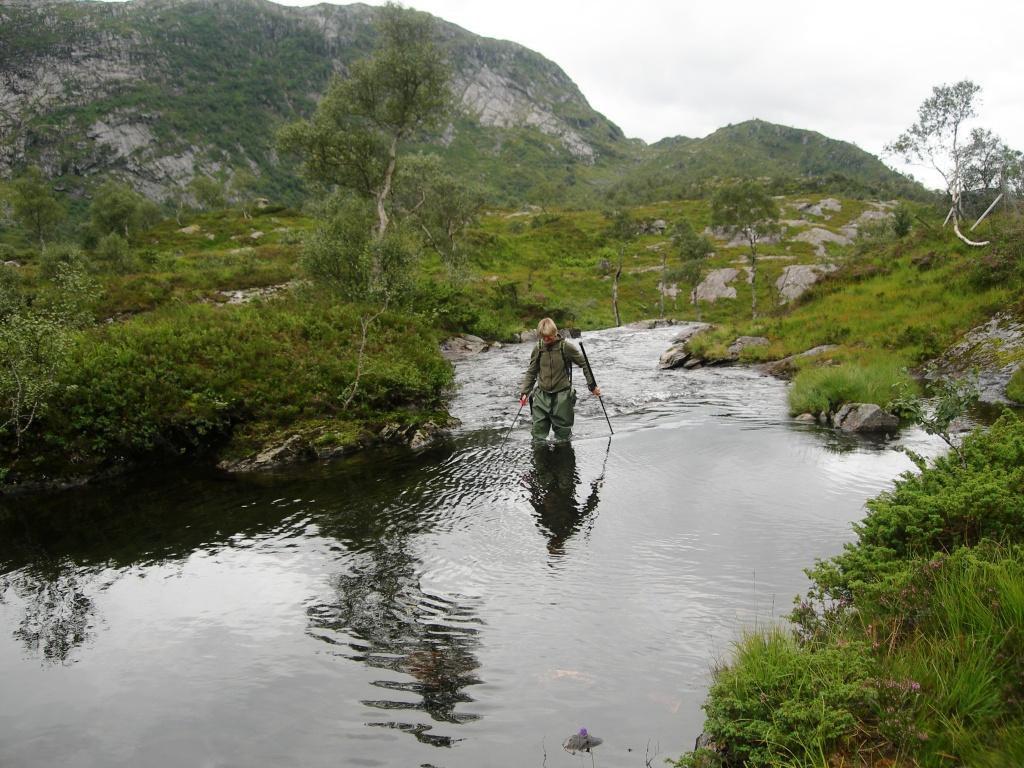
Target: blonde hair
[[547, 327]]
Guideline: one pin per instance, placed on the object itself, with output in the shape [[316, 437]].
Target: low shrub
[[1015, 387], [951, 504], [778, 701], [180, 380]]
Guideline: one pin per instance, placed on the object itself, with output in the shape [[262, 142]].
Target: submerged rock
[[864, 417]]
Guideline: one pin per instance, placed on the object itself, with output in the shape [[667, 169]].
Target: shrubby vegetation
[[908, 650]]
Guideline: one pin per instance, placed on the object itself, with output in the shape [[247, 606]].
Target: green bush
[[1015, 387], [824, 390], [780, 702], [181, 379], [948, 505], [113, 253], [56, 254]]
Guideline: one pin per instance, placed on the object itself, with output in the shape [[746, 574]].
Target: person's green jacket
[[549, 367]]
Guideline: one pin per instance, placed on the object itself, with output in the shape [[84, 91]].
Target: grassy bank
[[909, 648], [213, 376]]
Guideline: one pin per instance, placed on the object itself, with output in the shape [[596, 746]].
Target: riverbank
[[908, 649]]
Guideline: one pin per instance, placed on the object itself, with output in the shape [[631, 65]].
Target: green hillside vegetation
[[229, 378]]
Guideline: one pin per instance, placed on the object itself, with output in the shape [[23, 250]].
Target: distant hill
[[798, 160], [157, 91]]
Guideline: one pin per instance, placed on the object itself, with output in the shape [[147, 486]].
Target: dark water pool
[[470, 605]]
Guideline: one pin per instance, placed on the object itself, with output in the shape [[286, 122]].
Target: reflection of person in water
[[552, 487]]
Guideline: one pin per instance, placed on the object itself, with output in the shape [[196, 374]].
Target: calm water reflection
[[471, 605]]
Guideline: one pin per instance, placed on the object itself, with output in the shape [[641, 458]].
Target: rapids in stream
[[472, 604]]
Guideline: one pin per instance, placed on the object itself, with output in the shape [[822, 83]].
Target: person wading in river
[[552, 402]]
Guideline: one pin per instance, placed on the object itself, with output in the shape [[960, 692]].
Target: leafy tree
[[747, 209], [118, 208], [34, 205], [965, 161], [440, 207], [689, 245], [35, 341], [208, 192], [353, 139]]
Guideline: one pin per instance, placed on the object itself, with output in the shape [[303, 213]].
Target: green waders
[[553, 410]]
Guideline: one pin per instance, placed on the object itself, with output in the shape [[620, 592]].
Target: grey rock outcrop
[[743, 342], [678, 355], [797, 278], [715, 286], [818, 237], [990, 353]]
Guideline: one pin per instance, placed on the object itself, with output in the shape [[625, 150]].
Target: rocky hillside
[[157, 91]]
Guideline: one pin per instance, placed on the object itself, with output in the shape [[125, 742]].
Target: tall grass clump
[[824, 390]]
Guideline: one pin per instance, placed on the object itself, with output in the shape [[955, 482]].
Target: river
[[470, 605]]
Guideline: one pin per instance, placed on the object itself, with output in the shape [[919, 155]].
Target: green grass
[[824, 390]]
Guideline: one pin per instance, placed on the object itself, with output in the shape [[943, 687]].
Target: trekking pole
[[600, 399], [521, 406]]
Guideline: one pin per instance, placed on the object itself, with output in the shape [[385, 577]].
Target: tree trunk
[[615, 292], [385, 190], [661, 292], [753, 278]]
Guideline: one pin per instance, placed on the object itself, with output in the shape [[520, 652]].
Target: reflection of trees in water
[[387, 621], [58, 613], [552, 488]]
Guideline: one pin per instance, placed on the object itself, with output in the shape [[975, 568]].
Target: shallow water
[[470, 605]]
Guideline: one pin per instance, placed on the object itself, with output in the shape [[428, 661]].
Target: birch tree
[[353, 141], [941, 140]]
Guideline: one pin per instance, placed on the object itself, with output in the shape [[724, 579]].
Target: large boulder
[[462, 346], [678, 354], [864, 417], [989, 353], [715, 286], [797, 278]]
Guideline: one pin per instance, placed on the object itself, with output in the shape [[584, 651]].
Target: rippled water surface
[[471, 605]]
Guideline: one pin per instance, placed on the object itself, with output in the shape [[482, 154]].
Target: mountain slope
[[158, 91], [802, 160]]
